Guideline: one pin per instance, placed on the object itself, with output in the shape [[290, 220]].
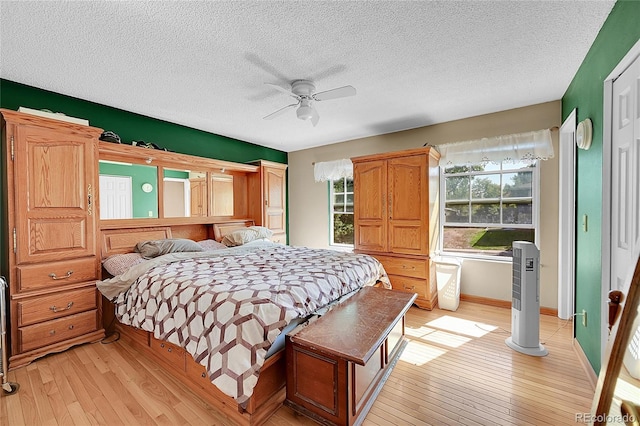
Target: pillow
[[155, 248], [246, 235], [210, 245], [118, 264]]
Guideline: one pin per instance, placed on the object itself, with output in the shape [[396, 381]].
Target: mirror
[[128, 190], [221, 195], [617, 396], [185, 193]]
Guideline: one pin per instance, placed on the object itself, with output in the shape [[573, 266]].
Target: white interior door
[[625, 189], [115, 197]]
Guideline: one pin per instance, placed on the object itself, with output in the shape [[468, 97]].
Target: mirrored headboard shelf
[[147, 187]]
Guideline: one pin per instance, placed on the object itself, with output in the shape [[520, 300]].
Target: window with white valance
[[332, 170], [528, 146]]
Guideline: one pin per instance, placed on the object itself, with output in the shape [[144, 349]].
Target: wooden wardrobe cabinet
[[49, 223], [396, 217], [271, 183]]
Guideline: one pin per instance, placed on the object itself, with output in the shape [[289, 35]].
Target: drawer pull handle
[[54, 277], [413, 287], [203, 375], [54, 308], [71, 327], [405, 267], [169, 350], [52, 332], [162, 345]]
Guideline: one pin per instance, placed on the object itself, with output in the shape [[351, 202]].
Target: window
[[341, 199], [487, 207]]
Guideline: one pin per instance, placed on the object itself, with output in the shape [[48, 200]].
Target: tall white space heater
[[525, 305]]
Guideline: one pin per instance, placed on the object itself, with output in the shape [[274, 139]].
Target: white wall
[[309, 201]]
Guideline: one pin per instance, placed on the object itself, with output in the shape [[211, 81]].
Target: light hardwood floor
[[455, 370]]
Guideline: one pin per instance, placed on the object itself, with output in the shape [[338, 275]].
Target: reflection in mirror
[[185, 193], [121, 190], [221, 195]]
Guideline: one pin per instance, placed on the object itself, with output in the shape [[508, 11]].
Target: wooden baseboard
[[502, 303], [586, 365]]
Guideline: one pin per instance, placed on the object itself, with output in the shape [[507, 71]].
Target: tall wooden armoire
[[49, 234], [396, 216]]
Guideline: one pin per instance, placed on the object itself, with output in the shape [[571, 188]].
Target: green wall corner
[[619, 33], [130, 126]]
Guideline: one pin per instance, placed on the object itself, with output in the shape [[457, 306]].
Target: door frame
[[607, 127], [567, 218]]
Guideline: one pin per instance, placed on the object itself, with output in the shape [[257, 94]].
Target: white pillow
[[246, 235]]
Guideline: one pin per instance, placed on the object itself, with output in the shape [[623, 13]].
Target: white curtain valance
[[527, 146], [332, 170]]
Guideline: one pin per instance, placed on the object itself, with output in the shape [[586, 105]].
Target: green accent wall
[[619, 33], [130, 126]]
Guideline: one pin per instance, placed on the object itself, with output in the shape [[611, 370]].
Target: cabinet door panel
[[370, 204], [55, 191], [275, 202], [198, 197], [408, 193]]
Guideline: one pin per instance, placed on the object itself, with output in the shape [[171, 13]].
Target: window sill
[[341, 247], [477, 256]]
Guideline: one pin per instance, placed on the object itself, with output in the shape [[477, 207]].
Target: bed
[[220, 315]]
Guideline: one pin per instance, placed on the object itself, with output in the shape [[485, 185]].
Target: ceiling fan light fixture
[[305, 110]]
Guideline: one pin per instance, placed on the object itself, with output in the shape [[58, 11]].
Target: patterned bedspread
[[227, 307]]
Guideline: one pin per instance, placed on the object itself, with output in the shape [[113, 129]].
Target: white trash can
[[448, 282]]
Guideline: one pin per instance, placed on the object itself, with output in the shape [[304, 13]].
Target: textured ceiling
[[204, 64]]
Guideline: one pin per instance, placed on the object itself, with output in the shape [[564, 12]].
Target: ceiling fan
[[304, 92]]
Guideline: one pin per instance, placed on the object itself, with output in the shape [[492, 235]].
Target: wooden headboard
[[123, 240], [118, 241]]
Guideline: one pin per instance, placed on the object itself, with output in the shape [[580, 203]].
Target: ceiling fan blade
[[282, 89], [340, 92], [279, 112], [314, 117]]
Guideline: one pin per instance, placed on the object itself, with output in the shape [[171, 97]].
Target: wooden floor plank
[[456, 369]]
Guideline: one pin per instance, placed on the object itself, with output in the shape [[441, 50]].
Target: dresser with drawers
[[49, 235]]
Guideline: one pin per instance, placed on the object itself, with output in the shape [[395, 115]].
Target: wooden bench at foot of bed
[[268, 394], [336, 365]]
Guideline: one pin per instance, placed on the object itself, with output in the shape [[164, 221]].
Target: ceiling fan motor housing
[[303, 88]]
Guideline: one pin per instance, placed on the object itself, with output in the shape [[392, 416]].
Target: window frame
[[535, 211], [332, 212]]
